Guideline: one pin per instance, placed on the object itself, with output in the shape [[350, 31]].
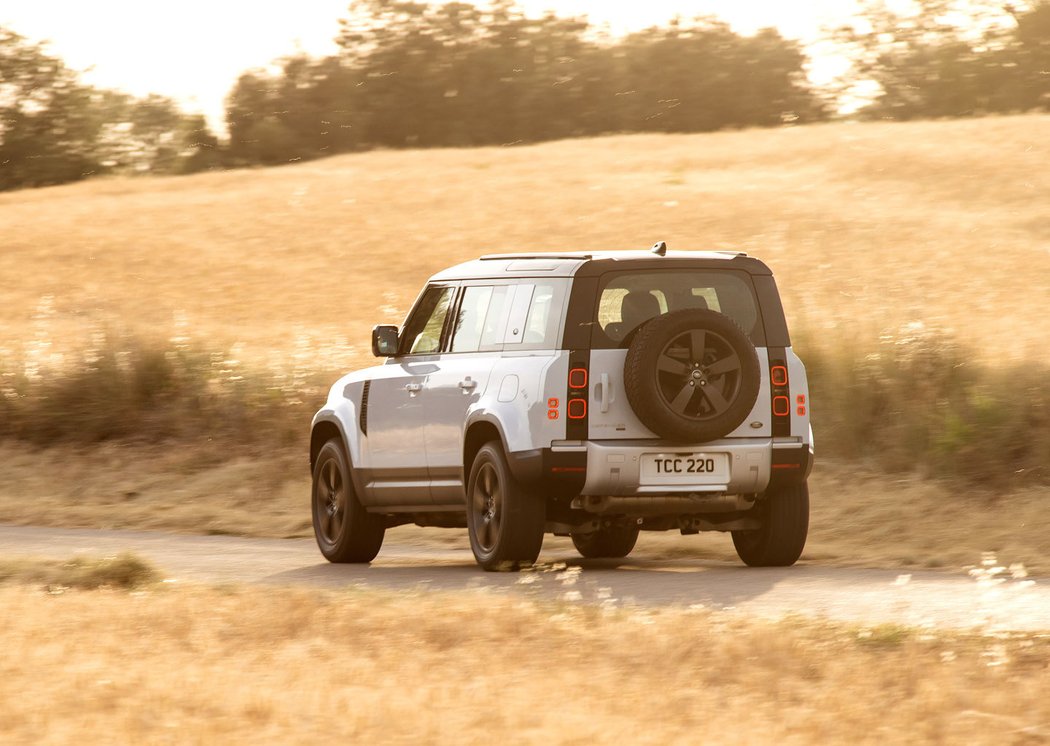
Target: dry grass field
[[171, 664], [869, 227], [877, 233]]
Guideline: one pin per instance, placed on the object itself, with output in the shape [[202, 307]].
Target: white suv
[[589, 395]]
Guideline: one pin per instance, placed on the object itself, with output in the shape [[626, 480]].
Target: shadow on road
[[660, 582]]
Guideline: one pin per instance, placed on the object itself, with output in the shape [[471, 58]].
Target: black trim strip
[[781, 423], [576, 428], [364, 407], [583, 299]]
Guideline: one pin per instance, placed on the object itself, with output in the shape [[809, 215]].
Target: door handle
[[413, 388], [467, 384], [603, 387]]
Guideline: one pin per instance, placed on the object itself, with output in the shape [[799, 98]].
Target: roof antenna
[[659, 248]]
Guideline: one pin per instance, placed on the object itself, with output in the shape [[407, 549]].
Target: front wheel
[[612, 542], [345, 531], [784, 524], [505, 519]]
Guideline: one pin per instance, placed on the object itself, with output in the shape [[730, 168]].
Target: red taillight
[[780, 394], [576, 396]]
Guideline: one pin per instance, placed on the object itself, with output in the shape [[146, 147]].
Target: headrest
[[637, 307]]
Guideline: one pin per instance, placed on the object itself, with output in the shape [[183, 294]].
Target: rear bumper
[[614, 467]]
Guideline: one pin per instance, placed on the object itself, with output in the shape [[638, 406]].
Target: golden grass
[[859, 517], [868, 227], [235, 665]]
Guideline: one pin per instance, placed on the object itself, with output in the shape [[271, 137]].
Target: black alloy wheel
[[505, 518], [345, 532]]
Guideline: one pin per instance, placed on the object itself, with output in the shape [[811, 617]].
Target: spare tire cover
[[691, 375]]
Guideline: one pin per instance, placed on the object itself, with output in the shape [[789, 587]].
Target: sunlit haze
[[193, 51]]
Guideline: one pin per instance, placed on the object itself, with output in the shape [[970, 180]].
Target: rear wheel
[[505, 519], [784, 518], [610, 542], [345, 532]]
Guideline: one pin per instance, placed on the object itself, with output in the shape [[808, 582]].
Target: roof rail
[[492, 257], [729, 252]]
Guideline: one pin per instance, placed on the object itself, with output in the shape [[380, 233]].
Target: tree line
[[55, 129], [414, 74]]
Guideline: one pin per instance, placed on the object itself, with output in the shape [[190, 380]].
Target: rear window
[[628, 299]]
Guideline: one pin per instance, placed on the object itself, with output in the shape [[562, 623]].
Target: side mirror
[[384, 340]]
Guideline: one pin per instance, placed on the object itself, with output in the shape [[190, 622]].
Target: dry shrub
[[134, 391], [922, 402], [918, 401], [124, 571]]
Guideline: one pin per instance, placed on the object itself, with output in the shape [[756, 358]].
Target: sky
[[194, 50]]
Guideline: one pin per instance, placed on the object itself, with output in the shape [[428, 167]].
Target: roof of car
[[570, 264]]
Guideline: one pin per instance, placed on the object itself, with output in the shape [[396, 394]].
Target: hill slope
[[868, 227]]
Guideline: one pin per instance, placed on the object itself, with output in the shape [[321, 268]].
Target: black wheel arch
[[327, 427], [480, 429]]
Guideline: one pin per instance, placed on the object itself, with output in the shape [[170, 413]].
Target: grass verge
[[860, 516], [199, 665]]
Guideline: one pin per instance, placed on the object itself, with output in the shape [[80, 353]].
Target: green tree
[[48, 121], [953, 58]]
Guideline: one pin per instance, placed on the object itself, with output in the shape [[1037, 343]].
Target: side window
[[535, 314], [539, 328], [519, 312], [422, 334], [470, 320], [496, 318]]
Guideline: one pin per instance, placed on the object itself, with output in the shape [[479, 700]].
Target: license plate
[[685, 468]]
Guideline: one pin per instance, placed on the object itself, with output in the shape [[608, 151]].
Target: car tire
[[691, 376], [784, 518], [505, 519], [612, 542], [345, 532]]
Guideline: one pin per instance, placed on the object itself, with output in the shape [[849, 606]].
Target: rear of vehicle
[[685, 406]]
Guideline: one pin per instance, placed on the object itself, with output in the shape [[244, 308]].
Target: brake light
[[778, 375]]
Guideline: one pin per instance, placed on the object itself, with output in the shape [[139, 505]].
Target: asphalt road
[[841, 594]]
